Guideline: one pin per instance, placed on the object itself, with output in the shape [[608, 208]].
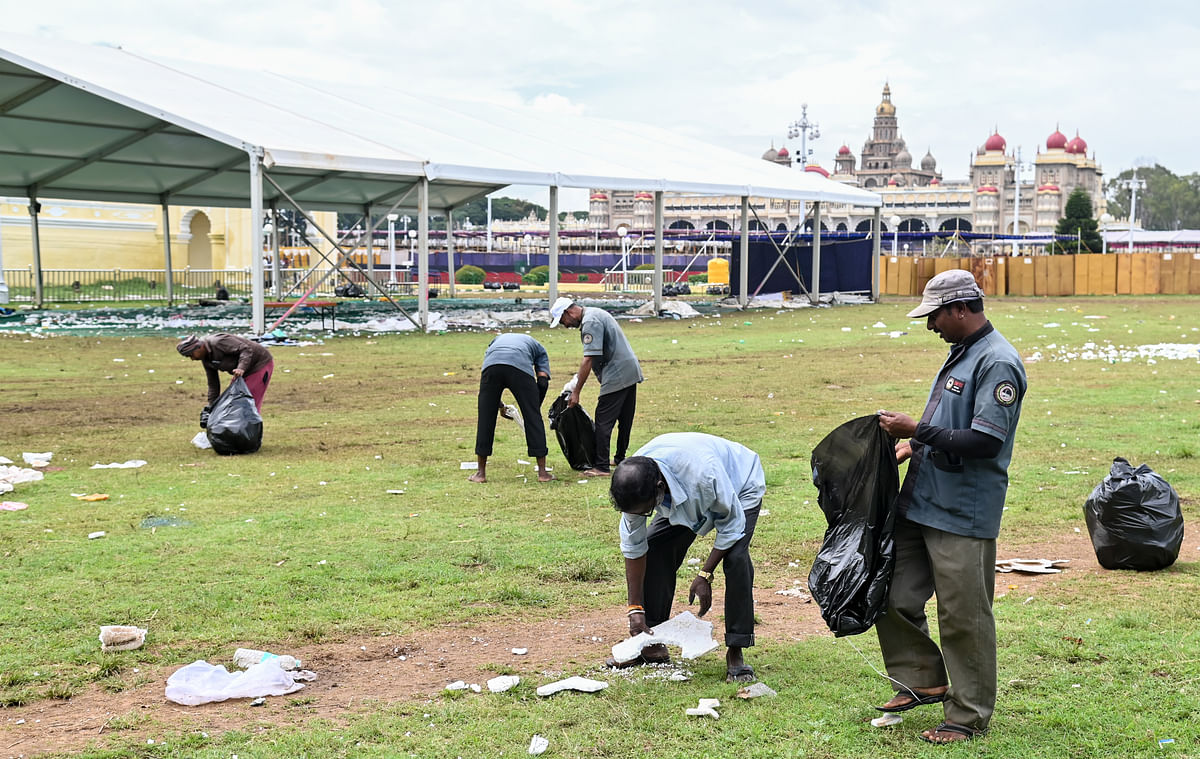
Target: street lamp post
[[528, 244], [1106, 218], [1133, 185], [806, 130], [392, 217], [894, 220], [622, 231], [412, 241]]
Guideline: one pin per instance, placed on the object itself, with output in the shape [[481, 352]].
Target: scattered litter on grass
[[13, 506], [707, 707], [502, 683], [757, 690], [457, 685], [248, 657], [692, 635], [795, 593], [11, 476], [887, 720], [1165, 741], [572, 683], [395, 492], [520, 651], [201, 440], [538, 745], [260, 701], [5, 460], [155, 522], [1032, 566], [203, 683], [93, 497], [467, 465], [131, 464], [37, 459], [96, 535], [121, 637]]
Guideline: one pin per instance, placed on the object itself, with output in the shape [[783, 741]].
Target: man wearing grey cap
[[607, 353], [948, 516]]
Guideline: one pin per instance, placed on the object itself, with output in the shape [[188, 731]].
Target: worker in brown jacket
[[230, 353]]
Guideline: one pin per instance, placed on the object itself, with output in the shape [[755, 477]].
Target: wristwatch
[[706, 575]]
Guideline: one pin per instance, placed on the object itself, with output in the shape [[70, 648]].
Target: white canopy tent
[[102, 123]]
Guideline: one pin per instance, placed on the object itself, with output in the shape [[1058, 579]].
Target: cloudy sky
[[1126, 76]]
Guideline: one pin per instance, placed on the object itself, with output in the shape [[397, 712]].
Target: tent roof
[[92, 122]]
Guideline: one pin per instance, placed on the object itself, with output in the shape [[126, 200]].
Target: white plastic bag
[[201, 440], [203, 683]]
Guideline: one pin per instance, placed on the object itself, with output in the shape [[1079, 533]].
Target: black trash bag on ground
[[575, 431], [234, 425], [854, 469], [1134, 519]]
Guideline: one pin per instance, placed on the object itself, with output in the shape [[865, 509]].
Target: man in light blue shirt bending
[[691, 484], [519, 364]]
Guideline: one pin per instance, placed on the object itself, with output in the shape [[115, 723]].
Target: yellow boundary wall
[[1084, 274]]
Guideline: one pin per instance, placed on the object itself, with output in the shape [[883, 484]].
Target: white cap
[[557, 310]]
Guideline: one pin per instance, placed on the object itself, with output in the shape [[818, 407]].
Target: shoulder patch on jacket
[[1005, 393]]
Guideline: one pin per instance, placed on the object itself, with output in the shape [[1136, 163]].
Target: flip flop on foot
[[949, 732], [639, 661], [740, 674], [906, 700]]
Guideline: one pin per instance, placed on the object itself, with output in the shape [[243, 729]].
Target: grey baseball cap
[[948, 287]]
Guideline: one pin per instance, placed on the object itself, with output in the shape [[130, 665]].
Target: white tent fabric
[[132, 127]]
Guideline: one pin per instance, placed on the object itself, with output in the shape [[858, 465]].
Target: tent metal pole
[[34, 208], [814, 296], [450, 247], [552, 280], [423, 253], [876, 224], [658, 250], [3, 284], [258, 301], [169, 271], [369, 242], [275, 264], [744, 264]]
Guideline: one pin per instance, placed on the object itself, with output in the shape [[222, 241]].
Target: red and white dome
[[598, 196], [643, 195], [844, 150], [1056, 141], [988, 189], [995, 142], [783, 153], [1077, 145], [1049, 188]]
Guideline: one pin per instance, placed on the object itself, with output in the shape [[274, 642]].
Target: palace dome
[[1049, 188], [885, 107], [903, 159], [1056, 141], [1077, 145], [643, 195], [783, 153], [995, 142], [771, 154], [598, 196], [928, 163], [844, 150], [987, 188]]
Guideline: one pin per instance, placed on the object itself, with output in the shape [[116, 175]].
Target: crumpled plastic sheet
[[679, 308], [204, 683], [11, 476]]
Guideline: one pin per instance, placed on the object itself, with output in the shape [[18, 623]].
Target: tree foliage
[[469, 275], [1078, 221], [1166, 202], [538, 275]]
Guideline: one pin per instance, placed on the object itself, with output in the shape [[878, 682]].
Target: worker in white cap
[[607, 354]]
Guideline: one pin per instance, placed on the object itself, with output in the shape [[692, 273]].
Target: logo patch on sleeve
[[1005, 393], [587, 338], [955, 385]]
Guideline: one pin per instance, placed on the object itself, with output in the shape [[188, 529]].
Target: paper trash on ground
[[1032, 566], [37, 459], [121, 637], [685, 630], [706, 708], [502, 683], [572, 683], [131, 464], [203, 683], [538, 745], [13, 506]]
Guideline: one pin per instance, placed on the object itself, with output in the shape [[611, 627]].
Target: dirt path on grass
[[357, 675]]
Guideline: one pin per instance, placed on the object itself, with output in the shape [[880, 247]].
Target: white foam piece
[[572, 683], [691, 634], [503, 683]]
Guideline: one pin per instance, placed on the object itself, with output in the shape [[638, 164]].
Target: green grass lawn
[[301, 543]]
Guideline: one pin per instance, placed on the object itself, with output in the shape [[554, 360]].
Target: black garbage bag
[[1134, 519], [575, 431], [854, 469], [234, 425]]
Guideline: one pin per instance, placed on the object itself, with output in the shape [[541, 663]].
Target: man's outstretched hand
[[703, 590], [637, 624]]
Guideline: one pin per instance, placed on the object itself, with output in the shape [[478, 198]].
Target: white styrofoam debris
[[538, 745], [685, 630], [572, 683], [502, 683]]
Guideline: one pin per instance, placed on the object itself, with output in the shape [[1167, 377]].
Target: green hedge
[[538, 275], [470, 275]]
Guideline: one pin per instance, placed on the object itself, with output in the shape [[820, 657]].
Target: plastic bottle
[[248, 657]]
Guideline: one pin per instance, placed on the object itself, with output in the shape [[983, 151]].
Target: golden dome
[[885, 108]]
